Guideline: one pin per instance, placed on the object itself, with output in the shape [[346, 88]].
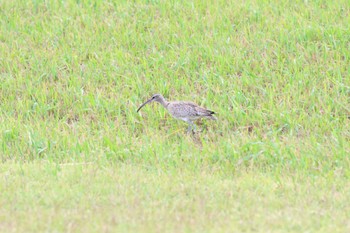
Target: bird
[[182, 110]]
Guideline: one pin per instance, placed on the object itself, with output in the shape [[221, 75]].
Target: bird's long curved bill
[[143, 105]]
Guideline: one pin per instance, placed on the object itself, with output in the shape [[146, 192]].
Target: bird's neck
[[164, 103]]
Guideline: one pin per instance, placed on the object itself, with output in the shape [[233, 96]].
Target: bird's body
[[182, 110], [188, 111]]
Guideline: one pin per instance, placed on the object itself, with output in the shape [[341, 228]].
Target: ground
[[77, 157]]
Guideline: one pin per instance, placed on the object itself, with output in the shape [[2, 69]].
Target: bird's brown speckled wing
[[186, 109]]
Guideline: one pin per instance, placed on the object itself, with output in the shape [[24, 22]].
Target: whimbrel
[[186, 111]]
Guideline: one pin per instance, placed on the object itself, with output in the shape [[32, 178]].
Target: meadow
[[77, 157]]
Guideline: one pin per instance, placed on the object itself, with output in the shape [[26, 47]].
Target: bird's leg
[[194, 127], [191, 127]]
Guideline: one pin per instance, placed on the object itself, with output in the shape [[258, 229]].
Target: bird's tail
[[210, 116]]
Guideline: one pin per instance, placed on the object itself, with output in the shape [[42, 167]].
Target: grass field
[[76, 157]]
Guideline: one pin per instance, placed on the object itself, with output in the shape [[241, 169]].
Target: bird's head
[[154, 98]]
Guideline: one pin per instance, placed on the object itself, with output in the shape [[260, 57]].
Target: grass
[[129, 197], [77, 157]]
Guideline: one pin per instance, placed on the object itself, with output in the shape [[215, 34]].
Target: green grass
[[75, 155], [136, 198]]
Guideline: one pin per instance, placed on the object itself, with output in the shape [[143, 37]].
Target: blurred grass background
[[277, 73]]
